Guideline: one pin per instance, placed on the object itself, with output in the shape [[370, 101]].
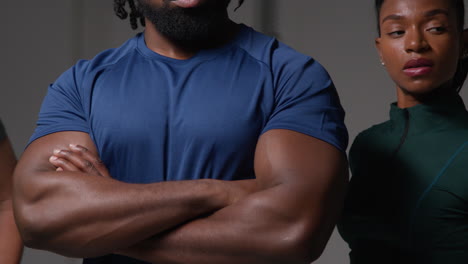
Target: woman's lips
[[417, 72], [186, 3], [418, 67]]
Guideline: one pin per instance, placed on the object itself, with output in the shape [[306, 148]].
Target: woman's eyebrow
[[430, 13], [392, 17], [436, 12]]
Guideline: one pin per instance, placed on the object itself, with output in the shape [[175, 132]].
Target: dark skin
[[66, 201], [420, 29], [290, 168], [11, 246], [92, 214]]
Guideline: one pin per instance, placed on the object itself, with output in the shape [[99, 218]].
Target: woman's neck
[[406, 99]]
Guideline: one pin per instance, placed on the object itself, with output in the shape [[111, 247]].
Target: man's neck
[[162, 45]]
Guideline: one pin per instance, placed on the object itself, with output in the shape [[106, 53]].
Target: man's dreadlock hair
[[135, 13]]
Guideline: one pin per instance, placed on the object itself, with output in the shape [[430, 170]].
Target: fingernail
[[74, 146], [56, 151], [53, 158]]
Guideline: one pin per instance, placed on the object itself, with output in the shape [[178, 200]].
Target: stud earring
[[383, 63]]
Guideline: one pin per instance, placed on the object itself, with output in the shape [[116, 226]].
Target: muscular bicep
[[288, 157], [310, 176]]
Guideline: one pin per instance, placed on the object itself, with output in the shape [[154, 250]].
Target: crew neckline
[[202, 55]]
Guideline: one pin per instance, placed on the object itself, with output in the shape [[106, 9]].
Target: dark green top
[[2, 131], [408, 197]]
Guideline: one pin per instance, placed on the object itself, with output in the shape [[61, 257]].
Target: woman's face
[[420, 44]]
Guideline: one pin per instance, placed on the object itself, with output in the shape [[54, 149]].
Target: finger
[[59, 169], [62, 164], [76, 160], [91, 157]]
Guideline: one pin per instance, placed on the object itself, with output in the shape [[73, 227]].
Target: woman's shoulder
[[374, 133]]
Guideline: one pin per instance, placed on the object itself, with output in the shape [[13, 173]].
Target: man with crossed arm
[[218, 145]]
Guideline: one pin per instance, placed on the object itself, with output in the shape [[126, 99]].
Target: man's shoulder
[[108, 57], [86, 71], [268, 49]]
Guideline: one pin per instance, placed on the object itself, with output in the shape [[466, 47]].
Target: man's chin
[[186, 26]]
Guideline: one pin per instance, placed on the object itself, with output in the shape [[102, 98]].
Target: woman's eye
[[396, 33], [437, 30]]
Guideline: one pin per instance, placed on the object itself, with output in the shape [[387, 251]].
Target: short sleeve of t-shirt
[[2, 131], [62, 108], [307, 102]]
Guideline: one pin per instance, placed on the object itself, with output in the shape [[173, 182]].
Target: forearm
[[79, 215], [11, 246], [254, 230]]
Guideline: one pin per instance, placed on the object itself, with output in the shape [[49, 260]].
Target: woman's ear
[[377, 46]]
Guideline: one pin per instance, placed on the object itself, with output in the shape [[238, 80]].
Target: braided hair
[[135, 13]]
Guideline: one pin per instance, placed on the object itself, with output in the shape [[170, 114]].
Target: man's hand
[[79, 159]]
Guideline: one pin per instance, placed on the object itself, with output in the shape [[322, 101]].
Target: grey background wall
[[41, 39]]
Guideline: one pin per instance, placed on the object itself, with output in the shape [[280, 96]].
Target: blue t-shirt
[[155, 118]]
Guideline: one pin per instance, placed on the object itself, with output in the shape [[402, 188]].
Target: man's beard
[[188, 26]]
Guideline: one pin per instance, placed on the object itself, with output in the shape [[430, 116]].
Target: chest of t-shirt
[[183, 123]]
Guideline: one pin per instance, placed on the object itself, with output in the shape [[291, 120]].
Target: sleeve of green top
[[2, 131]]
